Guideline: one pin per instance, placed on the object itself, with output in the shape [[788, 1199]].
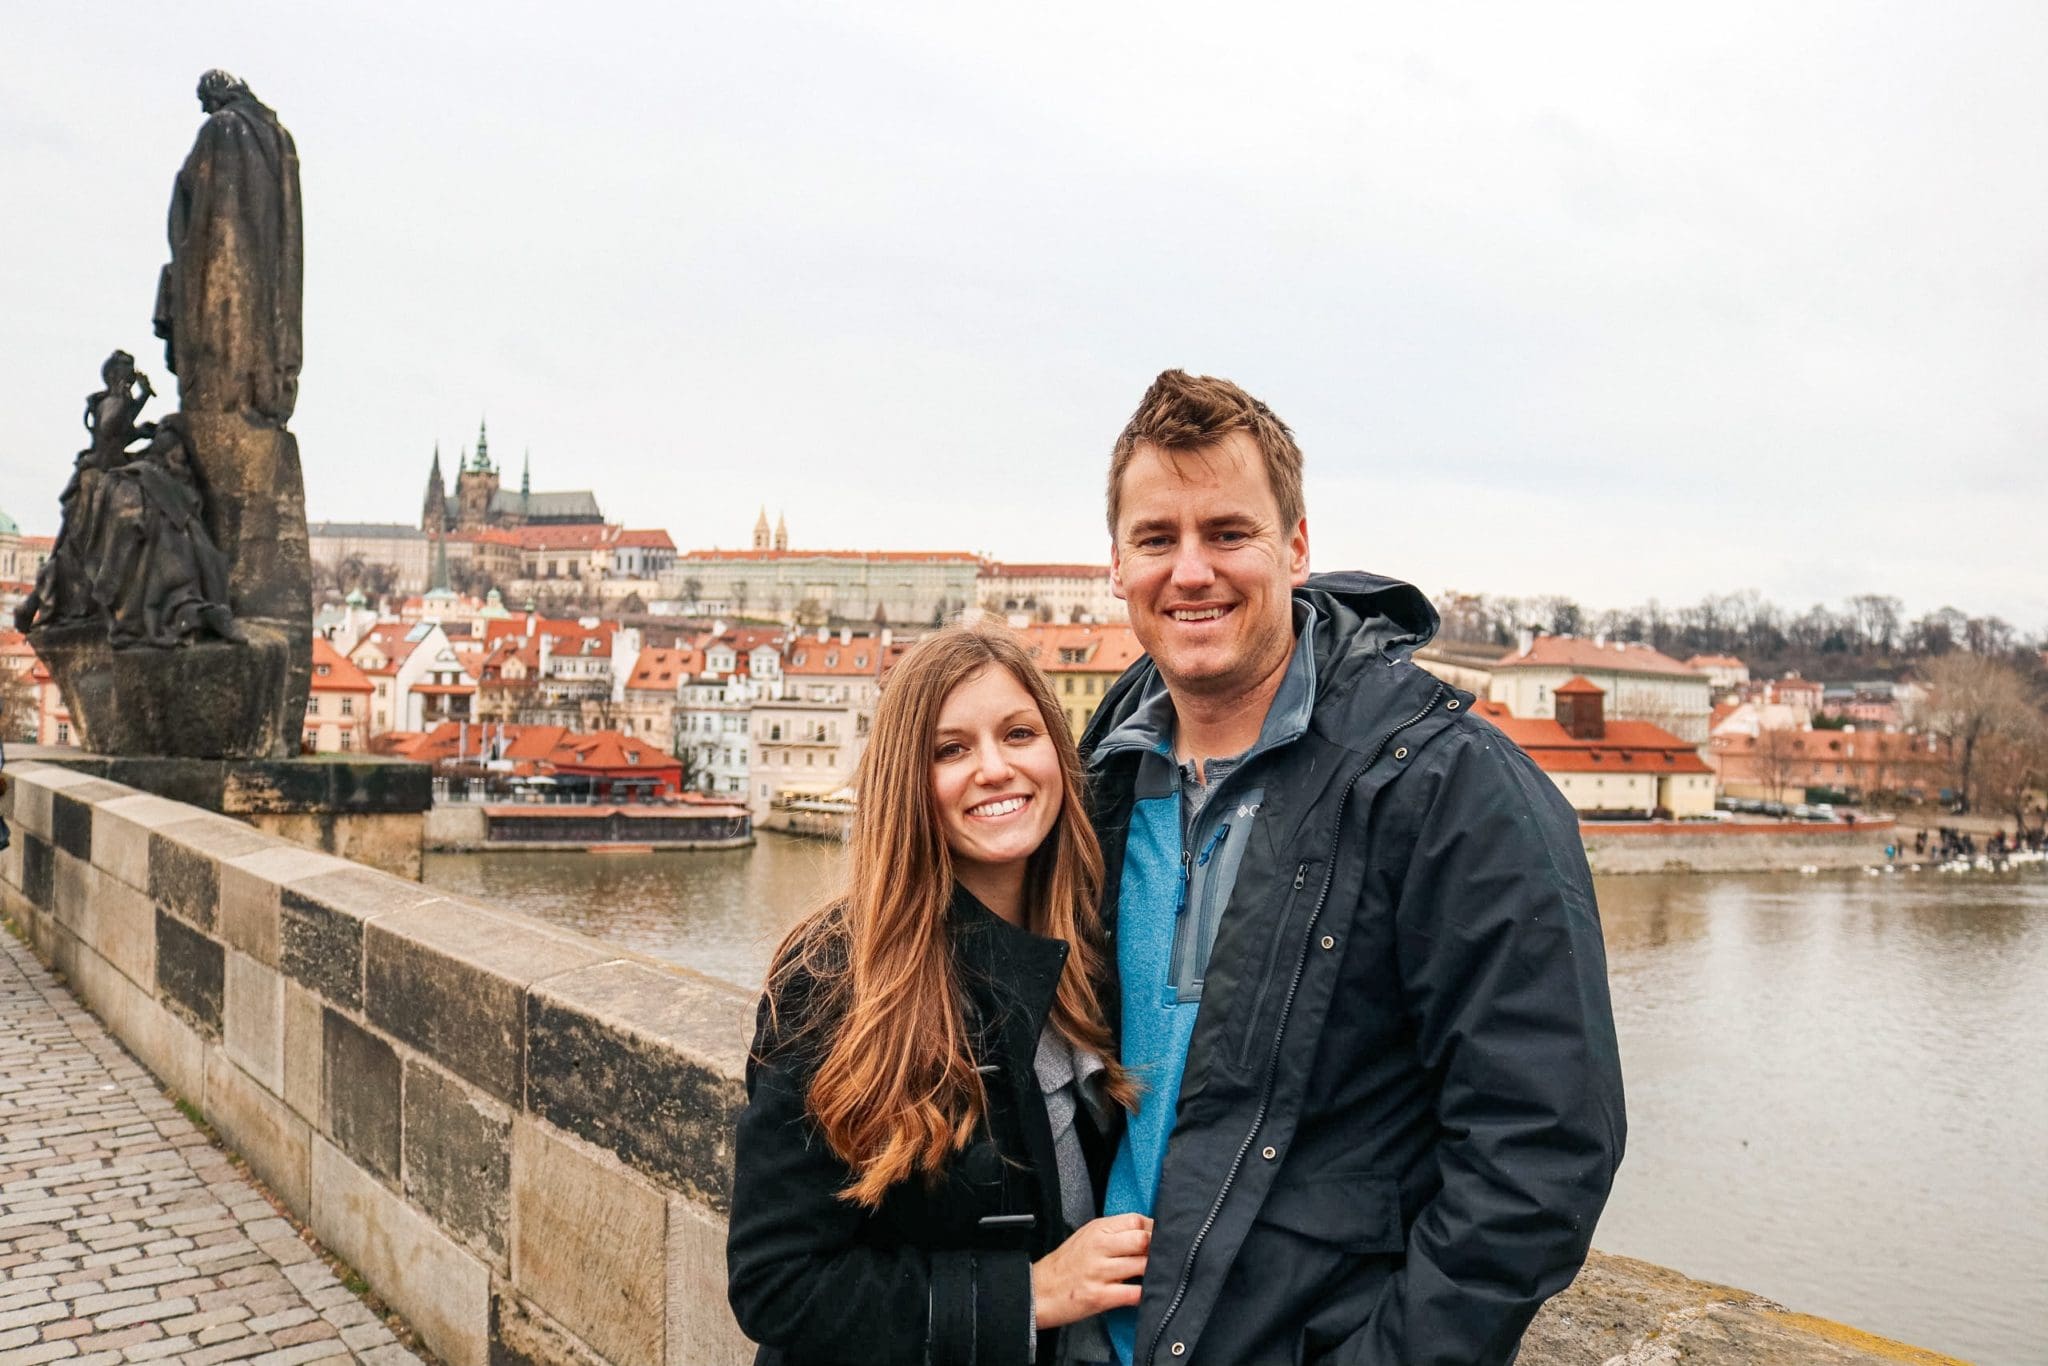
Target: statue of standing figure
[[228, 304]]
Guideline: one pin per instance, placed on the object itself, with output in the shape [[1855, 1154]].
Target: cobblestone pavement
[[125, 1235]]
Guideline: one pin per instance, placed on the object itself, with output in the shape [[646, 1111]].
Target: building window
[[347, 741], [312, 740], [63, 733], [348, 706]]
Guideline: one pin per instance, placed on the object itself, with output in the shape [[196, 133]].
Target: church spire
[[440, 584], [434, 512], [483, 446], [761, 529], [781, 532], [526, 481]]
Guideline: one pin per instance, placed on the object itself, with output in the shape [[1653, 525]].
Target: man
[[1361, 970]]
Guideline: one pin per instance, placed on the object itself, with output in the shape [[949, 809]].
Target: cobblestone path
[[124, 1234]]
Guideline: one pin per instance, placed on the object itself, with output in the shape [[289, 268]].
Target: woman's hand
[[1087, 1273]]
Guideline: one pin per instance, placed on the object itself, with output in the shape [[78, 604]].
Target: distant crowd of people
[[1947, 843]]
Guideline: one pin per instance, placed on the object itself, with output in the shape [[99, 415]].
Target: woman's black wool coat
[[940, 1273]]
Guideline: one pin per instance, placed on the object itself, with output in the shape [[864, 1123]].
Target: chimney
[[846, 635], [1525, 640], [888, 638], [824, 634]]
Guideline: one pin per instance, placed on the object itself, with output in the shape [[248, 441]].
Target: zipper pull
[[1214, 840], [1300, 876], [1180, 904]]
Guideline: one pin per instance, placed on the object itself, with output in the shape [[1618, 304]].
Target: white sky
[[1607, 300]]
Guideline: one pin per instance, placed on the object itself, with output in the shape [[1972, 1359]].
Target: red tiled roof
[[1578, 686], [647, 540], [866, 556], [1713, 662], [1627, 746], [1102, 648], [810, 657], [333, 672], [573, 537], [662, 670], [1581, 655], [997, 569]]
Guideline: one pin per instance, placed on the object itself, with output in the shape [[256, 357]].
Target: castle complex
[[478, 503]]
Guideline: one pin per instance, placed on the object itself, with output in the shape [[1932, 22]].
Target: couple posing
[[1270, 1025]]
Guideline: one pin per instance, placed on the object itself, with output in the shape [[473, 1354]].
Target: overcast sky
[[1617, 301]]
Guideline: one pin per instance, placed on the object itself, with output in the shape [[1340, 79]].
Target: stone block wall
[[520, 1137]]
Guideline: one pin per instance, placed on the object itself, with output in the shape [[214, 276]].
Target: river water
[[1837, 1085]]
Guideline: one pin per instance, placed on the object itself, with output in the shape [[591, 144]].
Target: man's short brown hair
[[1184, 412]]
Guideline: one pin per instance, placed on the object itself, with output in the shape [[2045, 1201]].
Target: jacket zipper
[[1177, 960], [1187, 1270], [1251, 1039]]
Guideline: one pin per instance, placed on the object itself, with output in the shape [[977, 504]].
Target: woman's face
[[995, 772]]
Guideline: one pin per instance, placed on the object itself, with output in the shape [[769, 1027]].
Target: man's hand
[[1089, 1272]]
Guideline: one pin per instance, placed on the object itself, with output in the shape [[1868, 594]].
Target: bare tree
[[1971, 698], [1778, 754], [2012, 764], [18, 719]]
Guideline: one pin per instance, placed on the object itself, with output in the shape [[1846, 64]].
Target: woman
[[930, 1100]]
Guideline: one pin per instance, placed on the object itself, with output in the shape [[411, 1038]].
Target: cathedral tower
[[476, 486], [761, 529]]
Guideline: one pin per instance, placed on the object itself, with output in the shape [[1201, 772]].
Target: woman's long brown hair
[[895, 1090]]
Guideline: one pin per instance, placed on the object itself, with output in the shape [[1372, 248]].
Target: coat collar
[[1012, 967]]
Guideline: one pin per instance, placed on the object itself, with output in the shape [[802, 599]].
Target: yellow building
[[1082, 662]]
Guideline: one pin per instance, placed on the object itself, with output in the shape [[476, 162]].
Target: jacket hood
[[1357, 618]]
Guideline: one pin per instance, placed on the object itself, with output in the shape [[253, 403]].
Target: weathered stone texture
[[184, 865], [261, 1128], [458, 1160], [646, 1063], [450, 979], [38, 870], [252, 1015], [442, 1290], [71, 824], [590, 1241], [249, 888], [320, 929], [120, 834], [190, 973], [361, 1085], [305, 1051], [701, 1331]]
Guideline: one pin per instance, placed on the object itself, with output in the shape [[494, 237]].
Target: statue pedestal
[[361, 807], [208, 699]]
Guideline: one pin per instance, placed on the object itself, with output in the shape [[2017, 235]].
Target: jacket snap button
[[1454, 705], [1180, 1349], [1329, 942], [1270, 1154], [1401, 753]]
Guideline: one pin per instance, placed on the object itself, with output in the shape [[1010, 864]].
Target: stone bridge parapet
[[519, 1136]]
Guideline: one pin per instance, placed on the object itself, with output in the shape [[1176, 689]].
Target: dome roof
[[8, 527]]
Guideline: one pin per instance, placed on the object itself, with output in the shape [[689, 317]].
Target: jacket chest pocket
[[1278, 957]]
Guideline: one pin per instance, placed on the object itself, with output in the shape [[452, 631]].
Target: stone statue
[[110, 414], [159, 577], [228, 304], [175, 614], [132, 546], [63, 588]]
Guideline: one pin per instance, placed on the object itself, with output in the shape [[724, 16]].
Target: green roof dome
[[8, 526]]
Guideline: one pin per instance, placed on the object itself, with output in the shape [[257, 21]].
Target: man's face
[[1206, 566]]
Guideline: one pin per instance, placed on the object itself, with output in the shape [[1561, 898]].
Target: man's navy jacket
[[1402, 1107]]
